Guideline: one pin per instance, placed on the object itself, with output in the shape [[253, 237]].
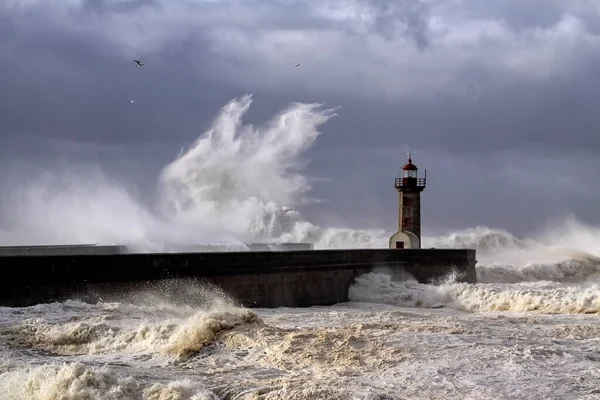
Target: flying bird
[[139, 64], [297, 65]]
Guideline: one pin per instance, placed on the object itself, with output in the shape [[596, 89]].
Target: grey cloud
[[522, 15], [399, 18], [62, 85], [108, 6]]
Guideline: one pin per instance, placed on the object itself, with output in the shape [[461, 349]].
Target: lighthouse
[[409, 187]]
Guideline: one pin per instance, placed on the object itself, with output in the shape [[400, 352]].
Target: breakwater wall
[[92, 249], [255, 279]]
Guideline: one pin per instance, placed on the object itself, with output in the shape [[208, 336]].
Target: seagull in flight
[[297, 65], [139, 64]]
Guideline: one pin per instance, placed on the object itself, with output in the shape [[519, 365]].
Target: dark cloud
[[112, 7], [474, 88]]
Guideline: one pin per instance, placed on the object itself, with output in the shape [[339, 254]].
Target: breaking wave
[[555, 271], [542, 296], [185, 330]]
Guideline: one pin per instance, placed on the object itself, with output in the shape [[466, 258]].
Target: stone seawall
[[258, 279]]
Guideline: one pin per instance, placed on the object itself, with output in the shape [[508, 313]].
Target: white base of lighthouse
[[404, 240]]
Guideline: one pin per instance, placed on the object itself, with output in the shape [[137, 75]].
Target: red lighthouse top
[[410, 180], [409, 166]]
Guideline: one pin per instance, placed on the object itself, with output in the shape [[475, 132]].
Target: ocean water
[[515, 335], [528, 330]]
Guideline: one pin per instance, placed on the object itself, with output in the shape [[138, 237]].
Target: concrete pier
[[258, 278]]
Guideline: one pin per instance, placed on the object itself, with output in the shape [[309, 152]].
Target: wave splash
[[555, 271], [199, 315], [236, 183], [542, 297], [80, 381]]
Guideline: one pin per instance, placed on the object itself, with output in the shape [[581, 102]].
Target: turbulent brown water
[[499, 339]]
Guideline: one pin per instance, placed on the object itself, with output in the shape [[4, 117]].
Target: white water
[[529, 329]]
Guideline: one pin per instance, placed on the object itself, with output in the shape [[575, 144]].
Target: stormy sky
[[497, 99]]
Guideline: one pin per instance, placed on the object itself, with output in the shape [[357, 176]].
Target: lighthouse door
[[399, 245]]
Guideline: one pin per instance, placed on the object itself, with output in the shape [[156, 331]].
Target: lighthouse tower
[[409, 187]]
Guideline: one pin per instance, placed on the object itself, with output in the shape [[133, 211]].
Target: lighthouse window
[[408, 202], [410, 174]]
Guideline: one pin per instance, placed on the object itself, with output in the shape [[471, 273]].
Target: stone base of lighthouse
[[404, 240]]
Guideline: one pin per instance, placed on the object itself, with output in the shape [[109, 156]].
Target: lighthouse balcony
[[409, 182]]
